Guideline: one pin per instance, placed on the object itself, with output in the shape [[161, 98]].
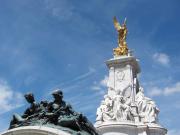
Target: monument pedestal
[[35, 130], [129, 128], [125, 110]]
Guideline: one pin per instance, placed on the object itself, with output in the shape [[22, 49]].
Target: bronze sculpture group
[[56, 114]]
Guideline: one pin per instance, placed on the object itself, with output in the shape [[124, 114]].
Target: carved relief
[[115, 108], [120, 76]]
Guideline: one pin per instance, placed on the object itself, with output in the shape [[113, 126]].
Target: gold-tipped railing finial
[[122, 48]]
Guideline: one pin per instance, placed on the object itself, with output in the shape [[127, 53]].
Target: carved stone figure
[[147, 108], [122, 109], [105, 111], [99, 113], [116, 108], [124, 88], [108, 109]]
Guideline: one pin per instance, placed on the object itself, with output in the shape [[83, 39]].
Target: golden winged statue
[[122, 48]]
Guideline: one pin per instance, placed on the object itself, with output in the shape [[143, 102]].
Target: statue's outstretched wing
[[116, 24], [125, 20]]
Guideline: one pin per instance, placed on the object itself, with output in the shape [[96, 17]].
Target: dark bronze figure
[[29, 113], [56, 114]]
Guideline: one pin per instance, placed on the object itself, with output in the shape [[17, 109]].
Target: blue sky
[[46, 44]]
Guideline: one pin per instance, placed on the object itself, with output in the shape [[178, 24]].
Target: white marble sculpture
[[105, 111], [147, 108], [122, 95], [115, 108], [122, 109], [125, 110]]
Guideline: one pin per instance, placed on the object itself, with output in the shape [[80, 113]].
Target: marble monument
[[125, 110]]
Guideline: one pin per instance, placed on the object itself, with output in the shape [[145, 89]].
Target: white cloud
[[100, 87], [9, 99], [169, 90], [96, 88], [173, 132], [104, 81], [155, 91], [78, 78], [176, 105], [85, 75], [60, 9], [173, 89], [65, 11], [161, 58]]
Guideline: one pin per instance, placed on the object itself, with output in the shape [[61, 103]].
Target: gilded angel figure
[[122, 33]]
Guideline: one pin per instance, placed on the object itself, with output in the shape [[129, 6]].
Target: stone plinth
[[123, 72], [122, 61], [129, 128], [35, 130]]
